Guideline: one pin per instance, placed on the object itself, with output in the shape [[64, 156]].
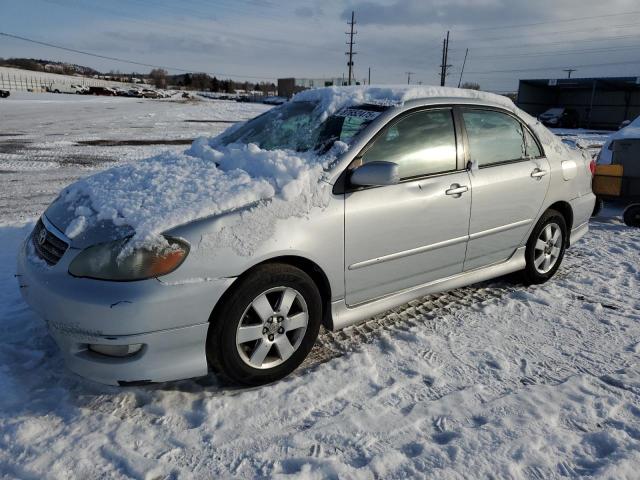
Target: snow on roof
[[334, 98]]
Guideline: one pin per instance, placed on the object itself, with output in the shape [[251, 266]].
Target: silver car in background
[[432, 194]]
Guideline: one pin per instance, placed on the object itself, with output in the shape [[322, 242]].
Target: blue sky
[[267, 39]]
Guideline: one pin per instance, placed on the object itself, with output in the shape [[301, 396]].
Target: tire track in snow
[[428, 312]]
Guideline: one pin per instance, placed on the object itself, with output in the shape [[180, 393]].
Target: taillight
[[592, 167]]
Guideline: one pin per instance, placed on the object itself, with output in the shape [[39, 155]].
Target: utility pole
[[569, 71], [409, 77], [463, 64], [351, 43], [369, 82], [445, 57]]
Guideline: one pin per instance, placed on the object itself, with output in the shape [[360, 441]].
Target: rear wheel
[[266, 327], [631, 215], [545, 248]]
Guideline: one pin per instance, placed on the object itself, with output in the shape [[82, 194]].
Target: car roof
[[334, 98]]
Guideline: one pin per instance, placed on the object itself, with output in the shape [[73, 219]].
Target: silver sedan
[[431, 194]]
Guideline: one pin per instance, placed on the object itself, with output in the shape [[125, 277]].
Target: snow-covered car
[[560, 117], [629, 133], [148, 93], [336, 206]]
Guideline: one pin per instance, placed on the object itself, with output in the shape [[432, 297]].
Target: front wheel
[[266, 327], [545, 248]]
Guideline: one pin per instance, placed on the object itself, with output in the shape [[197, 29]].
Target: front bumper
[[169, 320]]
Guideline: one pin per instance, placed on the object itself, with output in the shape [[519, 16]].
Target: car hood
[[61, 214], [144, 199]]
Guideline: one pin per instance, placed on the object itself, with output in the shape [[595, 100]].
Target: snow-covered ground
[[496, 380]]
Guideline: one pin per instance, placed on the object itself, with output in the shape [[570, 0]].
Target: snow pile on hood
[[171, 189]]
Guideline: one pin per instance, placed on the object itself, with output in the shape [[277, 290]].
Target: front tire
[[545, 248], [266, 327]]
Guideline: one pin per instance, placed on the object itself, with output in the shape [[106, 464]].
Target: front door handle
[[538, 173], [457, 190]]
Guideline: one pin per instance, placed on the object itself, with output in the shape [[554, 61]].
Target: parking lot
[[456, 385]]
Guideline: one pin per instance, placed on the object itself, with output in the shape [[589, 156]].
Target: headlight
[[111, 261]]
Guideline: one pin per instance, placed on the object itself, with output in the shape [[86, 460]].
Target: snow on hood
[[154, 195]]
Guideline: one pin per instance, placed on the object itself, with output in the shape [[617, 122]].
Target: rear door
[[404, 235], [509, 179]]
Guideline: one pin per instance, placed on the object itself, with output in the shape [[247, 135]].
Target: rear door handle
[[457, 190], [538, 173]]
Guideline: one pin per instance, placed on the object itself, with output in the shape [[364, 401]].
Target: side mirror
[[375, 174]]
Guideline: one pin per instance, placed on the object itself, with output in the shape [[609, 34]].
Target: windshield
[[298, 126]]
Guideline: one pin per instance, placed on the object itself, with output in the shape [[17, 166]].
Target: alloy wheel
[[272, 327], [548, 248]]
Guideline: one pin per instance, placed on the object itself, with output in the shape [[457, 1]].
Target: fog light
[[116, 350]]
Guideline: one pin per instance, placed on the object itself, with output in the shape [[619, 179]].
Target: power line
[[542, 44], [608, 28], [575, 19], [540, 69], [558, 52], [132, 62]]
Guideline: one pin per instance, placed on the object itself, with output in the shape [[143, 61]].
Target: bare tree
[[159, 77], [470, 86]]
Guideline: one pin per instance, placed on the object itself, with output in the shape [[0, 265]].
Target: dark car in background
[[101, 91], [4, 93], [560, 117]]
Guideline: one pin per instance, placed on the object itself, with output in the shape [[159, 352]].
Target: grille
[[48, 247]]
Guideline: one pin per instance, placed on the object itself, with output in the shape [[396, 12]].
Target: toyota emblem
[[42, 237]]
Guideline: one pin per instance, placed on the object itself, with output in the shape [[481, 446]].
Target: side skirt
[[344, 316]]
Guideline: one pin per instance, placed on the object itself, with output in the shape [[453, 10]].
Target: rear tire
[[545, 248], [631, 215], [266, 327]]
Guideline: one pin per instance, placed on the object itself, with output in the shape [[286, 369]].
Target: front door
[[510, 179], [404, 235]]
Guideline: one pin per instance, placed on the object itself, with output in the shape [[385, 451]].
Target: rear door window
[[494, 137]]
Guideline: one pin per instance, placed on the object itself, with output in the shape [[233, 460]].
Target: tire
[[542, 263], [631, 215], [597, 208], [264, 355]]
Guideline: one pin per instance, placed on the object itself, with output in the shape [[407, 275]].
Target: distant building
[[287, 87], [601, 102]]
